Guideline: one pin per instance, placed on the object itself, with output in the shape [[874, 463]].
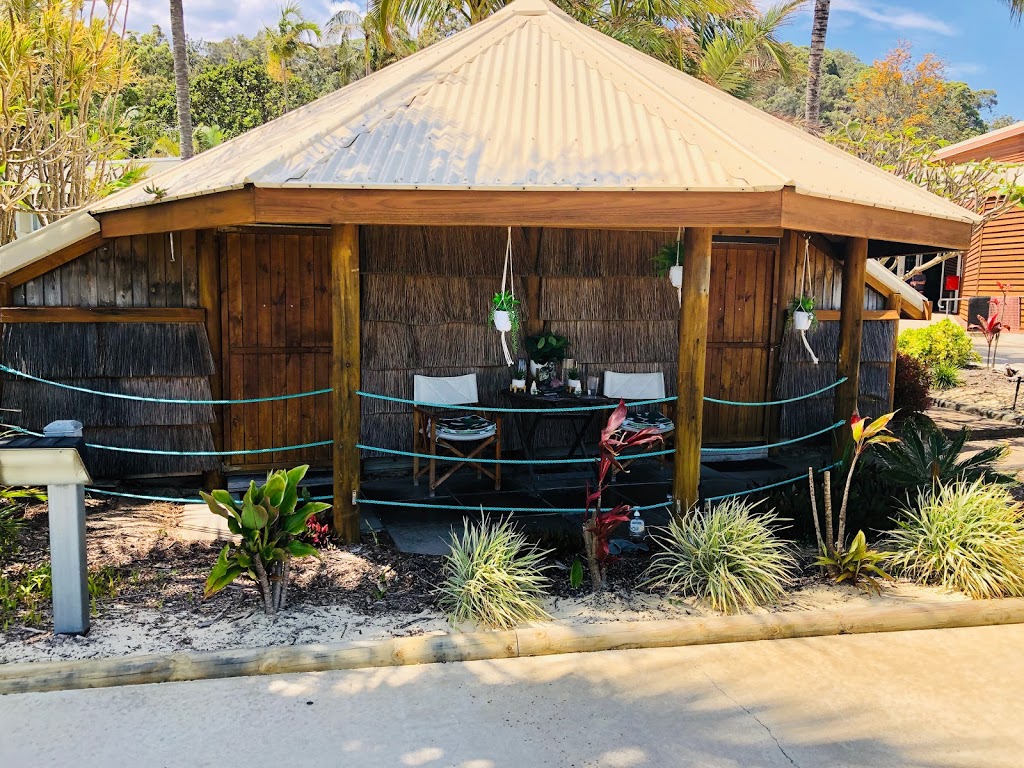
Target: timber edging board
[[518, 643]]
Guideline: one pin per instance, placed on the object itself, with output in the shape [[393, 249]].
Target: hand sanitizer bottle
[[636, 526]]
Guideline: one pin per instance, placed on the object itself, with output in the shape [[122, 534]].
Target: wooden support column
[[345, 372], [693, 343], [895, 304], [209, 289], [851, 325]]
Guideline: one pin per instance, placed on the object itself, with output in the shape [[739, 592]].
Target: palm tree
[[181, 78], [819, 27], [288, 41], [1016, 8]]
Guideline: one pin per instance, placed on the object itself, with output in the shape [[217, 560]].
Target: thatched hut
[[356, 241]]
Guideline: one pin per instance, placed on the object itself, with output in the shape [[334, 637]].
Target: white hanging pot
[[675, 275], [802, 320], [502, 320]]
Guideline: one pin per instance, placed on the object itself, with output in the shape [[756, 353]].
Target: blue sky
[[975, 38]]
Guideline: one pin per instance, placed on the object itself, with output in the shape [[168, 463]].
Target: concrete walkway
[[924, 699]]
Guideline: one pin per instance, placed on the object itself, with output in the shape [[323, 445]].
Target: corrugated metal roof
[[531, 99]]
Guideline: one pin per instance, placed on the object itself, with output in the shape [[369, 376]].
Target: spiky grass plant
[[964, 536], [493, 577], [727, 556]]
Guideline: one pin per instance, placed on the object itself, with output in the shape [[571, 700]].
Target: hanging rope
[[803, 288], [679, 245], [507, 276]]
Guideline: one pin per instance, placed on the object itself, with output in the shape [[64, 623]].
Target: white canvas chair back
[[445, 390], [634, 386]]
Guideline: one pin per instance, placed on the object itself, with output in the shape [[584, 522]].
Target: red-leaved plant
[[991, 327], [599, 523]]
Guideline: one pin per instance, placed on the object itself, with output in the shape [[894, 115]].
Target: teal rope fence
[[478, 508], [172, 499], [779, 484], [778, 402], [173, 401], [539, 462], [779, 444]]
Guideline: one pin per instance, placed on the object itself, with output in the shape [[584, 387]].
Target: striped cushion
[[466, 428], [655, 420]]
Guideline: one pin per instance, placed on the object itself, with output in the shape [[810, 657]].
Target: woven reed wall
[[799, 375], [168, 360]]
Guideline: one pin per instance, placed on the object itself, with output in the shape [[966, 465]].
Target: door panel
[[739, 340]]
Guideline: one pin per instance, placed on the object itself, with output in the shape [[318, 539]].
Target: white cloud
[[217, 19], [893, 16]]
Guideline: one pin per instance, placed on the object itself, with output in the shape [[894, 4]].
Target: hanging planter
[[668, 261], [505, 312], [802, 312], [675, 275]]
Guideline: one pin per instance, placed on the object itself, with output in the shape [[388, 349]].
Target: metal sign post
[[54, 460]]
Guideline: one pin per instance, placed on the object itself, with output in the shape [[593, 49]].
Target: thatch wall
[[167, 360], [798, 375]]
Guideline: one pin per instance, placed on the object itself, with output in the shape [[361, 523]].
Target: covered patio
[[356, 243]]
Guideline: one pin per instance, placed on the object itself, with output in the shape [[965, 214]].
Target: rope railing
[[402, 400]]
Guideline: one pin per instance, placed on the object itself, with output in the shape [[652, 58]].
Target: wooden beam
[[54, 260], [869, 314], [209, 271], [219, 209], [100, 315], [836, 217], [478, 207], [345, 370], [693, 342], [851, 326]]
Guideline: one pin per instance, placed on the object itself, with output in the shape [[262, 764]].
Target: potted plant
[[505, 311], [546, 349], [801, 309], [519, 377], [574, 385], [665, 263]]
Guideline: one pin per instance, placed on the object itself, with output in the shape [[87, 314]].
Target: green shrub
[[946, 376], [726, 556], [943, 343], [964, 536], [925, 456], [493, 577]]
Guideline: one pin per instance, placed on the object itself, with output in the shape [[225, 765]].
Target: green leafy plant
[[803, 304], [944, 342], [864, 433], [946, 376], [926, 456], [858, 565], [573, 374], [667, 257], [520, 371], [576, 573], [967, 536], [546, 347], [505, 301], [725, 555], [493, 577], [269, 521], [158, 193]]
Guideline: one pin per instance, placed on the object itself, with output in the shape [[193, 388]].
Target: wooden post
[[345, 371], [693, 343], [851, 325], [209, 269]]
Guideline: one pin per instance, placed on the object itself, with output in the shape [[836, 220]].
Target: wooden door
[[739, 340], [277, 340]]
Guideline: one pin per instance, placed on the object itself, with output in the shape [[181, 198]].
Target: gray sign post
[[54, 460]]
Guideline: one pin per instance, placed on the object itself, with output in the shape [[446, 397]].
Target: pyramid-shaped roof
[[531, 99]]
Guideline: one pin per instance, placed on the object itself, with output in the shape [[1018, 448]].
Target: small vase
[[675, 275], [502, 320], [802, 320]]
